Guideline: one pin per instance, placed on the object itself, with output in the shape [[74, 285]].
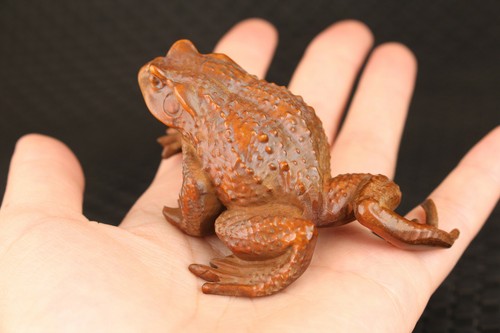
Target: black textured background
[[68, 69]]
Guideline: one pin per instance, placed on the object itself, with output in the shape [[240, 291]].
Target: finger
[[45, 176], [251, 43], [326, 73], [464, 200], [369, 139]]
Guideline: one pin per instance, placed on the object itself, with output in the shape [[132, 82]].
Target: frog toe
[[171, 143], [172, 215], [205, 272], [216, 274], [234, 289], [227, 280]]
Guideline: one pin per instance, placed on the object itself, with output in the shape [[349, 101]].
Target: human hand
[[60, 272]]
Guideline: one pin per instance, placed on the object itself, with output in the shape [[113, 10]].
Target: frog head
[[168, 87]]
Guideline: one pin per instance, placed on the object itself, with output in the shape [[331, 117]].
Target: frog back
[[262, 142]]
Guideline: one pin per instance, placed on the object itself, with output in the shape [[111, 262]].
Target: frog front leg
[[198, 204], [371, 199], [272, 247]]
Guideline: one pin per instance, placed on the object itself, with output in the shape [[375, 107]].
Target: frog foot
[[401, 232], [270, 252], [194, 225], [233, 276], [171, 142]]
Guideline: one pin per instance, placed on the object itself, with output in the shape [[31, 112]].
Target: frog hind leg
[[371, 199], [271, 250], [198, 203]]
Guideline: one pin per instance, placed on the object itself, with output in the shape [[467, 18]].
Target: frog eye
[[156, 82], [157, 77]]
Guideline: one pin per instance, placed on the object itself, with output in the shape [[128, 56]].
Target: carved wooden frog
[[256, 166]]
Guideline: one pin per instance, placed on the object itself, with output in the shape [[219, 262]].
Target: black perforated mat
[[68, 69]]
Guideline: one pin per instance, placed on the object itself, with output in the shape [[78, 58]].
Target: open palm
[[59, 271]]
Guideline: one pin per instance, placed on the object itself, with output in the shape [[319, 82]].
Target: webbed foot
[[374, 206], [232, 276], [402, 232], [270, 252]]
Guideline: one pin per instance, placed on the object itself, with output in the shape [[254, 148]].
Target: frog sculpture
[[256, 170]]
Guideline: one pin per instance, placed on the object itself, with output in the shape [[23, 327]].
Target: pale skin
[[60, 272]]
